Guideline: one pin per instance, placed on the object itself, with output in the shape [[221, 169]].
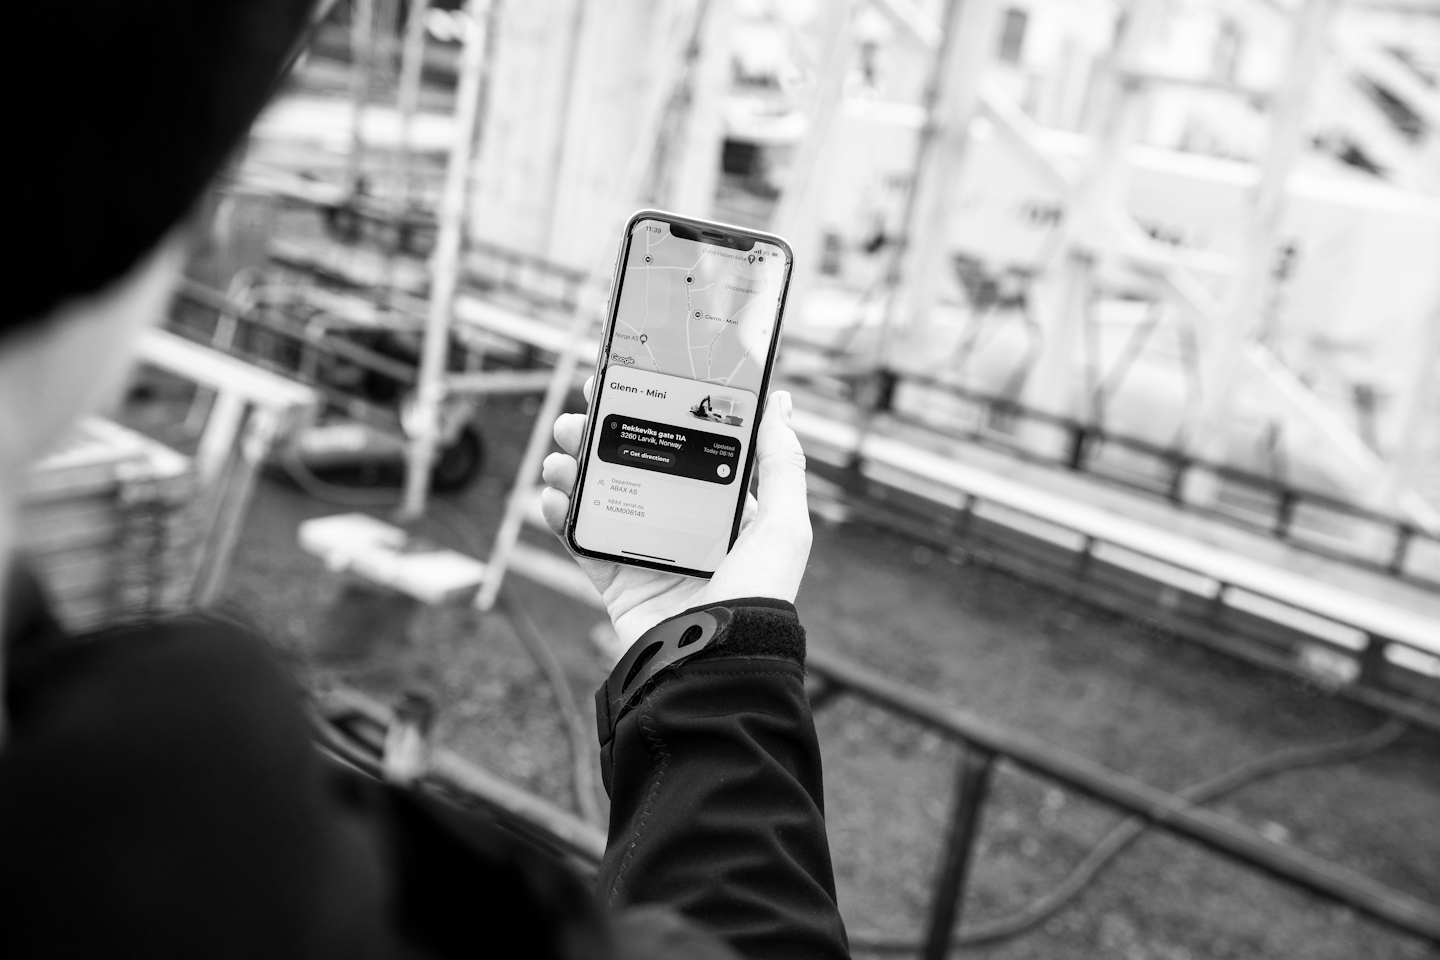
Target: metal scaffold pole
[[951, 99], [795, 217], [970, 34], [424, 424], [362, 50], [1090, 207], [1224, 356], [689, 185], [1418, 396], [412, 61]]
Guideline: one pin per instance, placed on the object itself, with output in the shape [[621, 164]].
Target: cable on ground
[[306, 479], [1128, 830], [581, 739]]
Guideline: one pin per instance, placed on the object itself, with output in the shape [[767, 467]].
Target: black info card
[[666, 448]]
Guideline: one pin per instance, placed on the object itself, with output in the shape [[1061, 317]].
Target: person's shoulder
[[196, 649], [208, 677]]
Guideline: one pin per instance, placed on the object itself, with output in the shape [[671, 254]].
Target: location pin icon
[[752, 258]]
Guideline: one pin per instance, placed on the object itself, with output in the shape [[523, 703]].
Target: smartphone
[[680, 386]]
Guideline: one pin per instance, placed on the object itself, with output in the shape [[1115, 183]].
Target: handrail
[[578, 837], [985, 741], [1082, 439], [1091, 525], [1205, 827], [1177, 458], [219, 371]]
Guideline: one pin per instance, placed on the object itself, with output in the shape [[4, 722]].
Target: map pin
[[752, 258]]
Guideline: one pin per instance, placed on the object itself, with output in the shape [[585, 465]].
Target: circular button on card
[[723, 469]]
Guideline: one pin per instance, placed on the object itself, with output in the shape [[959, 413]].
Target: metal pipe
[[1209, 829], [1226, 354], [555, 160], [1112, 126], [573, 833], [1418, 399], [950, 100], [536, 448], [261, 432], [362, 44], [970, 40], [412, 61], [795, 215], [972, 782], [445, 266]]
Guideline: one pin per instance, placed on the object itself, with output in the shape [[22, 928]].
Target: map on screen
[[697, 310]]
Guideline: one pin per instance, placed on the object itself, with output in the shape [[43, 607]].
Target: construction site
[[1114, 339]]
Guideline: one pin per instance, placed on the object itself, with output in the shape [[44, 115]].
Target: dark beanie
[[119, 112]]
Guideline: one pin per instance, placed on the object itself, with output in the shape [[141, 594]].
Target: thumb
[[782, 468]]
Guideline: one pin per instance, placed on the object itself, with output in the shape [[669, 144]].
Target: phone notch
[[718, 238]]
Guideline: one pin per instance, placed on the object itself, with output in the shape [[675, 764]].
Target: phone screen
[[677, 402]]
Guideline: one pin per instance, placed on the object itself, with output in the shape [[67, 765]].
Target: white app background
[[653, 515]]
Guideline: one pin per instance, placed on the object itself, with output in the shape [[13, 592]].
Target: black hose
[[303, 477], [1128, 830], [582, 738]]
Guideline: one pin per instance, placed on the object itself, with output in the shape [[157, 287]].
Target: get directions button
[[648, 456]]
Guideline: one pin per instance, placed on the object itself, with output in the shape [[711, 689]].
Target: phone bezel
[[611, 312]]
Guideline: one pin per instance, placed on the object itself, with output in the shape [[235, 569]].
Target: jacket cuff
[[757, 627], [762, 628]]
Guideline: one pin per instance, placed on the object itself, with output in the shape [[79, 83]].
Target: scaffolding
[[1096, 236]]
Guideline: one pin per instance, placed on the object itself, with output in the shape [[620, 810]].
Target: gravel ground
[[1164, 711]]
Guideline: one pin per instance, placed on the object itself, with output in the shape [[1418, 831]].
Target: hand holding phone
[[767, 560]]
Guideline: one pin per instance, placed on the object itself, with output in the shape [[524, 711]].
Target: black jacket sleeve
[[716, 795]]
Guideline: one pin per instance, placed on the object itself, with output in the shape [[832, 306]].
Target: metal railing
[[1300, 517], [354, 727], [985, 743], [1232, 616], [485, 266], [291, 350], [542, 283]]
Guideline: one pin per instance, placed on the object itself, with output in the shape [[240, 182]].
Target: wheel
[[459, 463]]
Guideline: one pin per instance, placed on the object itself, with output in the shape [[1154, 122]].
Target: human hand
[[769, 556]]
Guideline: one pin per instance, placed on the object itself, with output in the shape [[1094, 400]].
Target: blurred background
[[1114, 333]]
